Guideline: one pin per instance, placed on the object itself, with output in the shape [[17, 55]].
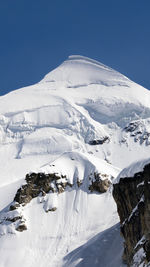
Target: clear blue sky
[[37, 35]]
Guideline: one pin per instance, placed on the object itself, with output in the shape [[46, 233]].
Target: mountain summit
[[79, 71], [63, 142]]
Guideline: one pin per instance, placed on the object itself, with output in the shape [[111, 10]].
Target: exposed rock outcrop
[[37, 185], [99, 141], [132, 195], [21, 227], [139, 130], [46, 188], [100, 183], [40, 183], [11, 219]]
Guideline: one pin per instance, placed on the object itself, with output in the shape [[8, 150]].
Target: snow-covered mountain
[[82, 120]]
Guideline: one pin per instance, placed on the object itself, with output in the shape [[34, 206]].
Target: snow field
[[47, 127]]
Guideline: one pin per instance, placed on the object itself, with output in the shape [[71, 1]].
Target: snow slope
[[104, 249], [50, 236], [83, 117], [78, 71], [132, 169]]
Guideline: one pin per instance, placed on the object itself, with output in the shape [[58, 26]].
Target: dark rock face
[[43, 186], [132, 196], [13, 218], [22, 227], [99, 141], [139, 130], [100, 183], [39, 183], [14, 206], [51, 209]]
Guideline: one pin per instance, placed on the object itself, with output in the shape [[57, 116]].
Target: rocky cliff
[[132, 195], [45, 188]]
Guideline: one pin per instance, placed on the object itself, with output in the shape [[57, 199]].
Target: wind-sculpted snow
[[79, 71], [80, 118]]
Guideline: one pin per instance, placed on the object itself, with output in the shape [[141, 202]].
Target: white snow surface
[[131, 170], [78, 71], [50, 127], [79, 165]]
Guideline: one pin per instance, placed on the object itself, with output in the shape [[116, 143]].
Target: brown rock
[[132, 196], [38, 183], [21, 227], [52, 209], [100, 185], [14, 206], [14, 219]]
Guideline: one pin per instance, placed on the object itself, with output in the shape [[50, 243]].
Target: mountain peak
[[79, 70], [85, 60]]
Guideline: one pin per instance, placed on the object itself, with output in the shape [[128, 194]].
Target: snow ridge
[[78, 71], [76, 122]]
